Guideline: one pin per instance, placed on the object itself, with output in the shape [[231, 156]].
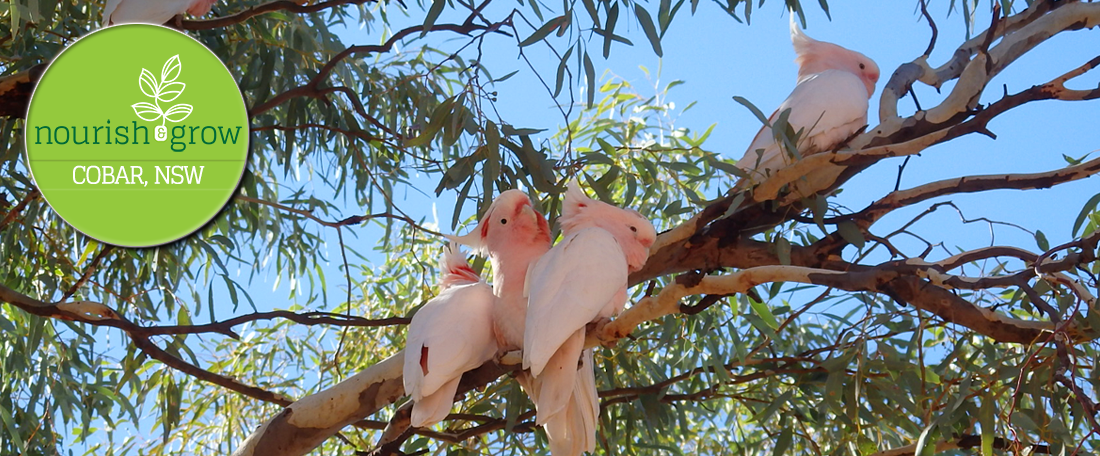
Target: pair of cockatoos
[[829, 104], [543, 298], [152, 11]]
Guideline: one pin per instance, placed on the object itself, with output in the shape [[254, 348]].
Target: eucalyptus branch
[[353, 220], [88, 271], [968, 184]]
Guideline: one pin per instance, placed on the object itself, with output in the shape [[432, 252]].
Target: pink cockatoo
[[514, 236], [450, 335], [829, 104], [581, 279], [152, 11]]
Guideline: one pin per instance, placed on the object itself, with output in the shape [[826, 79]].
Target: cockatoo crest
[[453, 268], [815, 56], [634, 232]]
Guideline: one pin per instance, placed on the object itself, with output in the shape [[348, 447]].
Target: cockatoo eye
[[504, 221], [634, 229], [862, 66]]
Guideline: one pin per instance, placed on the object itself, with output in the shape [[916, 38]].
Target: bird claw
[[597, 328]]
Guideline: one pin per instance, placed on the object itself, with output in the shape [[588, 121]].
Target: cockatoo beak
[[472, 239], [527, 211]]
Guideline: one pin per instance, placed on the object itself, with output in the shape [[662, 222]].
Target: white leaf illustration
[[178, 112], [171, 91], [147, 111], [171, 69], [148, 84]]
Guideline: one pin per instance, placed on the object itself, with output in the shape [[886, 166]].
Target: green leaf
[[433, 14], [752, 108], [825, 8], [608, 31], [1019, 418], [561, 72], [818, 208], [786, 436], [506, 77], [590, 75], [92, 244], [646, 22], [542, 32], [851, 233], [607, 148], [663, 14], [985, 418], [1041, 240], [509, 130], [1085, 211], [492, 135], [593, 13], [783, 250], [773, 407], [765, 314]]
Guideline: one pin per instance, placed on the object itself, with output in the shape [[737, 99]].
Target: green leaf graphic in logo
[[143, 164]]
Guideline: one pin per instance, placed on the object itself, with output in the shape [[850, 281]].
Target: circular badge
[[137, 135]]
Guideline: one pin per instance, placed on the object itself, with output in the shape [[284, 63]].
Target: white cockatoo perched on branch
[[450, 335], [152, 11], [581, 280], [829, 104]]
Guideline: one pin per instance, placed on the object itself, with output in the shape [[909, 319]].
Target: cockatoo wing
[[450, 335], [830, 106], [574, 283], [558, 378], [143, 11]]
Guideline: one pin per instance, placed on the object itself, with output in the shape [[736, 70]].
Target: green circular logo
[[137, 135]]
